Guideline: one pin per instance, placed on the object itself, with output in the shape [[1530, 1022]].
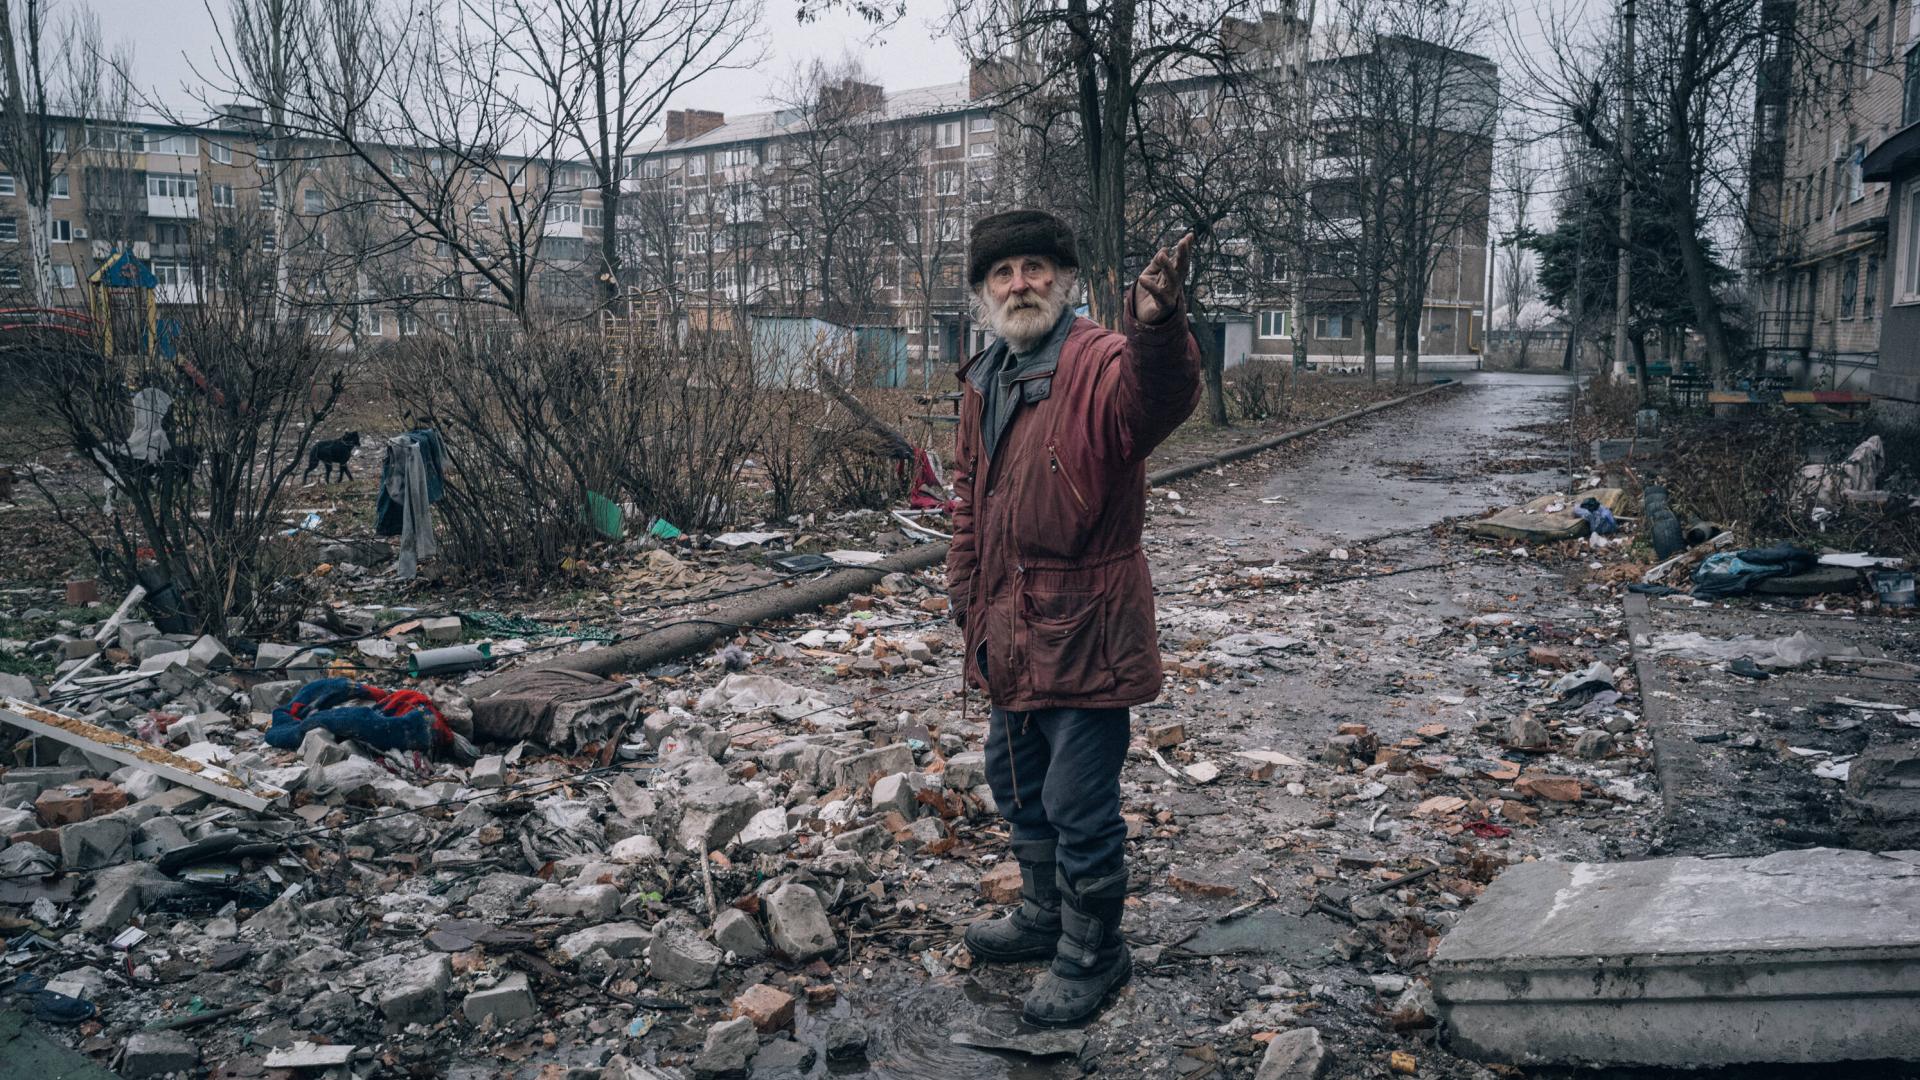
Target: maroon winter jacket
[[1046, 574]]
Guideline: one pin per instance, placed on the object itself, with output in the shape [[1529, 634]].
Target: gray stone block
[[508, 1002], [1798, 957], [966, 771], [619, 939], [270, 695], [679, 956], [798, 923], [416, 992], [157, 1053], [96, 843], [736, 932], [853, 772], [711, 816], [1294, 1055]]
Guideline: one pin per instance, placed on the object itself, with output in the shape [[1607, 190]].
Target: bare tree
[[605, 70], [32, 138], [1072, 76], [930, 226], [1518, 179]]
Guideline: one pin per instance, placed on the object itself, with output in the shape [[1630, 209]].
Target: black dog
[[331, 453]]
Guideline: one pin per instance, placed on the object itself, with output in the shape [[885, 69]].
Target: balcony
[[183, 293], [1785, 330], [173, 207]]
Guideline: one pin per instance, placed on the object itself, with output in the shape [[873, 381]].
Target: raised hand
[[1161, 282]]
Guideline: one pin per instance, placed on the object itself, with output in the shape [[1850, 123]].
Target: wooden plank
[[1729, 397], [127, 750]]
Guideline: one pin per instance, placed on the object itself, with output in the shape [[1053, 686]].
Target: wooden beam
[[127, 750]]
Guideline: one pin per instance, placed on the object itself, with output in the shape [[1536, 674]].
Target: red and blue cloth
[[390, 719]]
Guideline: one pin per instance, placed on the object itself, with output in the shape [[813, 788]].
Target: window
[[1868, 285], [1856, 188], [169, 233], [1332, 327], [409, 322], [223, 194], [1849, 287], [319, 326], [1274, 266], [9, 229], [398, 166], [478, 176], [949, 228], [9, 277], [980, 149], [477, 213], [946, 182], [268, 241], [64, 276], [312, 201], [980, 123], [443, 320], [121, 140], [1273, 324], [57, 140], [6, 185], [697, 165], [62, 231], [268, 197], [697, 203], [774, 151], [947, 134], [62, 187], [171, 143], [592, 217], [742, 155], [373, 323], [220, 152], [696, 241]]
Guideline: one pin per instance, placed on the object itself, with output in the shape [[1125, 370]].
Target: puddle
[[909, 1033]]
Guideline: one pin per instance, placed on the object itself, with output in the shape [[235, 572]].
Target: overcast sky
[[172, 38]]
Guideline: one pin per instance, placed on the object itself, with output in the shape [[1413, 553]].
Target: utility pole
[[1623, 285]]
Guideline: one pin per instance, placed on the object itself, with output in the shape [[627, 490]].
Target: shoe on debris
[[1032, 930], [1092, 958]]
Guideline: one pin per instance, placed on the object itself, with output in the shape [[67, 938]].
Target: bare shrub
[[189, 497], [535, 423], [1257, 389]]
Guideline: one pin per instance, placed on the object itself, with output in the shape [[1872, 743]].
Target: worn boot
[[1031, 930], [1092, 958]]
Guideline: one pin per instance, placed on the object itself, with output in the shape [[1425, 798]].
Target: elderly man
[[1049, 583]]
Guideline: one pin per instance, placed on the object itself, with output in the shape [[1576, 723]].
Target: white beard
[[1024, 322]]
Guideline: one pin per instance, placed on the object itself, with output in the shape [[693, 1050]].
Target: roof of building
[[899, 104]]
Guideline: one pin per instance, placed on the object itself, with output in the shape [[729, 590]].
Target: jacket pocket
[[1066, 654]]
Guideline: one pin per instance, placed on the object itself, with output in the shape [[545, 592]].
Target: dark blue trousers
[[1055, 774]]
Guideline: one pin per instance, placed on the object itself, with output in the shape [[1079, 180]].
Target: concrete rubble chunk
[[853, 772], [1797, 957], [509, 1001], [619, 939], [416, 992], [679, 956], [100, 842], [639, 848], [306, 1055], [729, 1044], [797, 922], [271, 695], [157, 1053], [711, 816], [209, 653], [766, 831], [736, 932], [1294, 1055], [966, 771], [596, 902], [488, 772], [444, 630], [896, 793]]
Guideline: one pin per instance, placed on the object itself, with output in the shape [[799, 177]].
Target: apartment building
[[1818, 247], [353, 255], [724, 219]]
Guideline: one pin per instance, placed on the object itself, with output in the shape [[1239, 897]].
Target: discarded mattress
[[1538, 520], [554, 707]]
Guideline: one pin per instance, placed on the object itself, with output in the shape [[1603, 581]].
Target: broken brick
[[63, 806], [1198, 883], [1553, 788], [770, 1009], [1001, 885], [1161, 736]]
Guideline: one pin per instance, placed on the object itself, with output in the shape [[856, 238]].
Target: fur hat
[[1017, 232]]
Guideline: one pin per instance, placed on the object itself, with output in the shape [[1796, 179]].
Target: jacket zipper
[[1054, 458]]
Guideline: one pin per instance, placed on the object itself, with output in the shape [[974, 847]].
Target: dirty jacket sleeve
[[963, 554], [1153, 384]]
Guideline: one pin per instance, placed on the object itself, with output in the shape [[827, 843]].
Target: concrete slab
[[1800, 956]]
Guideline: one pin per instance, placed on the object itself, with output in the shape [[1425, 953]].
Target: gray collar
[[1043, 360]]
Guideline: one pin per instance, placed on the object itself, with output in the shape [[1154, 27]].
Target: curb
[[676, 639]]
